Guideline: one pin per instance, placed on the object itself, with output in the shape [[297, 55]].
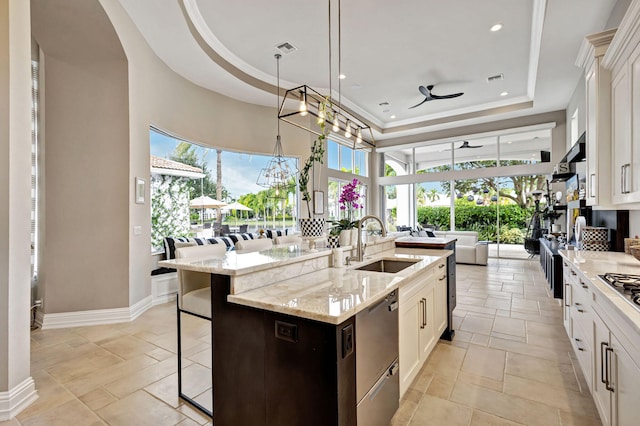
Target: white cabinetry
[[578, 317], [422, 320], [623, 59], [621, 135], [566, 298], [616, 384], [440, 308], [598, 106], [600, 339]]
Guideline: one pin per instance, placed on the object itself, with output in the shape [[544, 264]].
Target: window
[[346, 159], [182, 171], [463, 183]]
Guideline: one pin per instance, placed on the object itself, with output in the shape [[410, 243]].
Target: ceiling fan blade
[[425, 91], [453, 95], [425, 100], [465, 145]]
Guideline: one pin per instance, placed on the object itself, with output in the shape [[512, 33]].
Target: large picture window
[[478, 183], [183, 172]]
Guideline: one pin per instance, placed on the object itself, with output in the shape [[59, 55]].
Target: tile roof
[[163, 163]]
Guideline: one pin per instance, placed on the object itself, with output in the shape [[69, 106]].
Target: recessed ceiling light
[[496, 27], [504, 93], [393, 116], [342, 76]]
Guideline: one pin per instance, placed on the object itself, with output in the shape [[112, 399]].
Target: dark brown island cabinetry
[[276, 369]]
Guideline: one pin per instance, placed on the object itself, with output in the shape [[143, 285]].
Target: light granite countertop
[[328, 294], [234, 264], [333, 295], [594, 263]]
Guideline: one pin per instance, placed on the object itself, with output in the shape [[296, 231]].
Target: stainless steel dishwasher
[[377, 379]]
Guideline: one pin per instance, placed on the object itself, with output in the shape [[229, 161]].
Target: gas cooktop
[[626, 284]]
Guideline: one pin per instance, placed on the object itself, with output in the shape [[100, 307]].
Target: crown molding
[[593, 46], [626, 38]]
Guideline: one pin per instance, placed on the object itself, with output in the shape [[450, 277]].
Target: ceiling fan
[[465, 145], [428, 96]]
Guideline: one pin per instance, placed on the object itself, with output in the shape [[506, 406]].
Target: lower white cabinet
[[616, 380], [422, 319], [603, 350]]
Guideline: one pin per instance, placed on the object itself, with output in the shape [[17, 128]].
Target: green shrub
[[511, 235], [482, 219]]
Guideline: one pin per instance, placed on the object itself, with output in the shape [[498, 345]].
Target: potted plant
[[350, 202], [313, 226]]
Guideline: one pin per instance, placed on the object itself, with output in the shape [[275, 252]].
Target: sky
[[239, 170]]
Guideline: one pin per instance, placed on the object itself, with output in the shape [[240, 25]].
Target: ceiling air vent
[[286, 47], [495, 78]]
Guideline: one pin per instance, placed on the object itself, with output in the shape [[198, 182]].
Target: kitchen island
[[285, 332]]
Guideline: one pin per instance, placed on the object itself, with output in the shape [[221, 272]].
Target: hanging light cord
[[339, 55], [278, 56], [330, 66]]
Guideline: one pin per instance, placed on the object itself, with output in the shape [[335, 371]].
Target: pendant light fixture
[[343, 122], [277, 175]]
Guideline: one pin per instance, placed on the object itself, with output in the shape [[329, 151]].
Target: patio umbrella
[[205, 202], [236, 206]]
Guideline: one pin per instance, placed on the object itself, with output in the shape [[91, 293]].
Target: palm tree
[[432, 195]]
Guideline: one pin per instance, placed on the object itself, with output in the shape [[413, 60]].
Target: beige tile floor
[[510, 363]]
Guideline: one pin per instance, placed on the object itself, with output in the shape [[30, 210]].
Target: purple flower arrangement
[[349, 198]]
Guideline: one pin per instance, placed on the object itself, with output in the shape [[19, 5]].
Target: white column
[[17, 388]]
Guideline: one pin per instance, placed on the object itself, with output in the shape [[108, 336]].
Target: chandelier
[[310, 102], [277, 175]]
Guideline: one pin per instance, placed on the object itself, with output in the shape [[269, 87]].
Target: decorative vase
[[354, 237], [313, 227], [345, 237], [333, 241]]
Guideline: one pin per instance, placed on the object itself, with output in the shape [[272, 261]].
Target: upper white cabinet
[[622, 58], [598, 107], [621, 135]]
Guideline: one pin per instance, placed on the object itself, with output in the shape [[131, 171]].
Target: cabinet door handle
[[441, 266], [608, 351], [625, 178], [577, 346], [622, 179], [602, 361], [592, 184], [583, 284], [578, 307], [442, 278], [573, 273], [422, 313], [425, 311], [567, 292]]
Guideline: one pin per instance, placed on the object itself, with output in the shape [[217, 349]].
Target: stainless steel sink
[[388, 265]]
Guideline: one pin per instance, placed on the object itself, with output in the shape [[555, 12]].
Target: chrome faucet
[[360, 249]]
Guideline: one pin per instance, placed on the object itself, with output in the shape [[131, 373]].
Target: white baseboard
[[95, 317], [165, 298], [17, 399]]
